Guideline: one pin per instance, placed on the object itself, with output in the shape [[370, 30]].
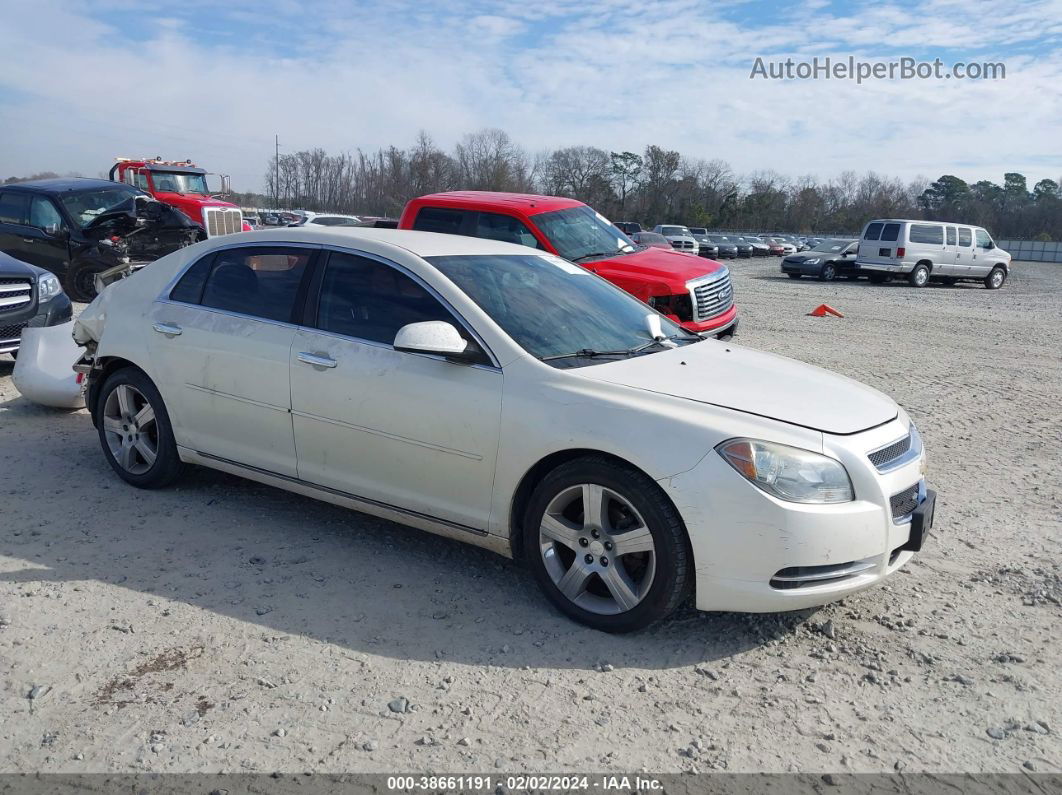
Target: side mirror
[[439, 338], [54, 230]]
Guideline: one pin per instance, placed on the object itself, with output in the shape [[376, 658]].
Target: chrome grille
[[904, 502], [682, 244], [15, 294], [712, 297], [886, 455], [222, 220]]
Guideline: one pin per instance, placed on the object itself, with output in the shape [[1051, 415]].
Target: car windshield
[[176, 182], [699, 232], [674, 230], [579, 233], [551, 307], [752, 239], [832, 246], [86, 206]]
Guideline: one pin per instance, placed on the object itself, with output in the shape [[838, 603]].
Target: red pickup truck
[[692, 290]]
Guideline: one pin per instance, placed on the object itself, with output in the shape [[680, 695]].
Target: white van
[[925, 250]]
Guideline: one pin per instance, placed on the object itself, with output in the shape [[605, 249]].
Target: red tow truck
[[693, 291], [182, 184]]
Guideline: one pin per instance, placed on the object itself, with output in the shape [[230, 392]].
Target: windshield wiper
[[595, 254], [585, 353]]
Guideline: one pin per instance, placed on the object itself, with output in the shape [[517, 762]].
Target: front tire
[[606, 546], [919, 277], [828, 272], [996, 278], [135, 431], [81, 281]]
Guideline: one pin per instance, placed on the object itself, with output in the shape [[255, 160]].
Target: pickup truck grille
[[222, 220], [682, 245], [15, 294], [713, 296]]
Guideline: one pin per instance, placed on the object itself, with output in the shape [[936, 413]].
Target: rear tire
[[996, 278], [577, 554], [919, 277], [135, 430]]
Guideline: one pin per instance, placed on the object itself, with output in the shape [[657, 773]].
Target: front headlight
[[814, 261], [788, 473], [48, 287]]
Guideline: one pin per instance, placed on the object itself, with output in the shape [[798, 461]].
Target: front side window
[[14, 208], [873, 232], [260, 282], [440, 219], [924, 233], [369, 300], [983, 240], [506, 228], [579, 233], [965, 238], [43, 214], [551, 308]]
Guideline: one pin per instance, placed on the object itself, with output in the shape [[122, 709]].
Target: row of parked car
[[716, 245]]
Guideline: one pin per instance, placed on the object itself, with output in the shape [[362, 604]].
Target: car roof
[[529, 203], [64, 184], [423, 244]]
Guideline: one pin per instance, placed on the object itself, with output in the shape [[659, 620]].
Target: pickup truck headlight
[[48, 287], [788, 473]]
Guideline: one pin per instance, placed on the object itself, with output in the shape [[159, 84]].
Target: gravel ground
[[226, 626]]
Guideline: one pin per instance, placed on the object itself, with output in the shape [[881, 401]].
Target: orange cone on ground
[[822, 310]]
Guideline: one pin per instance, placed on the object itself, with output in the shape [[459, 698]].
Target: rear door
[[220, 344], [410, 431]]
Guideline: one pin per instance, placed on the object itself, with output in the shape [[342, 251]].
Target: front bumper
[[754, 553], [57, 310], [722, 325]]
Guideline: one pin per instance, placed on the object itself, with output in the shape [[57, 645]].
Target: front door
[[982, 262], [32, 230], [407, 430], [965, 253], [220, 344]]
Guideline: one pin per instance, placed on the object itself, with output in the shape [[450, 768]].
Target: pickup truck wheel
[[606, 545], [135, 430], [828, 272], [81, 281], [995, 279], [919, 277]]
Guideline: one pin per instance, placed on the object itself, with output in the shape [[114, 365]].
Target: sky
[[82, 83]]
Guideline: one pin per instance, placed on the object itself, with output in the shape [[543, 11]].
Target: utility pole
[[276, 166]]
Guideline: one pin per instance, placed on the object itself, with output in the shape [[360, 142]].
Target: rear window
[[440, 219], [873, 232], [890, 232], [924, 233]]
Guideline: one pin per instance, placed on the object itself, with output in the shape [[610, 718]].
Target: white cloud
[[75, 92]]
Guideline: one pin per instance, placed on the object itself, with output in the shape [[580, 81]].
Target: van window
[[951, 235], [873, 232], [890, 232], [924, 233], [965, 238], [440, 219], [983, 240]]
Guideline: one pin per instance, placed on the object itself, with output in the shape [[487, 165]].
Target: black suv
[[77, 228], [29, 296]]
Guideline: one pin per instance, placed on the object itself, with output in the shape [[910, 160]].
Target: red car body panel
[[645, 274]]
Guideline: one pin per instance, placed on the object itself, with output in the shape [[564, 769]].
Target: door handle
[[29, 240], [169, 329], [315, 359]]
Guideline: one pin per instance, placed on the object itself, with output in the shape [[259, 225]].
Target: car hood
[[731, 376], [666, 266], [11, 268]]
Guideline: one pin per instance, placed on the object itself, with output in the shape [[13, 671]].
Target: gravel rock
[[995, 733], [398, 705]]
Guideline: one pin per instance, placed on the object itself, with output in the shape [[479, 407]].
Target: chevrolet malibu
[[460, 385]]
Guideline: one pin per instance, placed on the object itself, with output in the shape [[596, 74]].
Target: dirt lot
[[226, 626]]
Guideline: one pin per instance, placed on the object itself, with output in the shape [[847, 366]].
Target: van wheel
[[828, 272], [135, 430], [995, 279], [606, 545], [919, 277]]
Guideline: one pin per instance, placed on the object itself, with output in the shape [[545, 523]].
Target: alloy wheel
[[130, 429], [997, 278], [597, 549]]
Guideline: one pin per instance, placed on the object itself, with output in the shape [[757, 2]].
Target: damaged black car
[[80, 229]]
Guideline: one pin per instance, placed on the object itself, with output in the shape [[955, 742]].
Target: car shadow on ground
[[293, 565], [841, 281]]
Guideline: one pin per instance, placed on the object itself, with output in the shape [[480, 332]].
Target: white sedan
[[505, 397]]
